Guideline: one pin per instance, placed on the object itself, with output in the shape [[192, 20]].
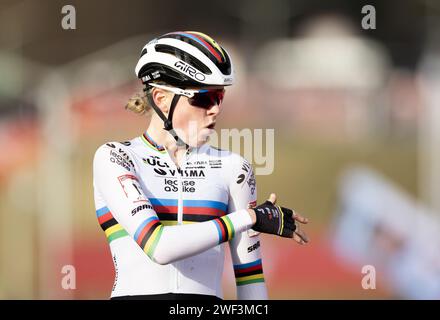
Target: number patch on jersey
[[132, 189]]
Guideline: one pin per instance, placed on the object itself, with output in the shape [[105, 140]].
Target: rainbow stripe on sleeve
[[113, 230], [148, 234], [225, 229], [248, 273]]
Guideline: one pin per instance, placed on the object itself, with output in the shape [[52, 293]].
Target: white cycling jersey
[[167, 226]]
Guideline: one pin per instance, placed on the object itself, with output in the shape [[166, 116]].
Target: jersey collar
[[149, 142]]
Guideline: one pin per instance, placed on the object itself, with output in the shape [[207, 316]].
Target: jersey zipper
[[182, 166], [179, 211]]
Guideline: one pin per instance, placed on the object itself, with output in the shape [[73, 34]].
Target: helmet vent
[[184, 56], [144, 51]]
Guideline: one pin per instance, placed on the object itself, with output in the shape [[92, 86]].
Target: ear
[[160, 98]]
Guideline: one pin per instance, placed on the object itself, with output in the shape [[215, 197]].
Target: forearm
[[252, 215], [179, 242], [165, 244]]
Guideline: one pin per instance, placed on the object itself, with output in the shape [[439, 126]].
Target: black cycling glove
[[274, 220]]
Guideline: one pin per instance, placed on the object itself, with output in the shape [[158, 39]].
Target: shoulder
[[114, 147], [119, 153]]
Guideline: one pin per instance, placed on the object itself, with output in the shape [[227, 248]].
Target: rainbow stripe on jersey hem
[[249, 273]]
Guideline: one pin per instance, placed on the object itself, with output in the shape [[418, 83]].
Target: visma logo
[[160, 171], [193, 173], [240, 178]]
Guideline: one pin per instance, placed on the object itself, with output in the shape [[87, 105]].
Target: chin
[[202, 140], [195, 144]]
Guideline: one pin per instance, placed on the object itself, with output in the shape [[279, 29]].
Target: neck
[[162, 137]]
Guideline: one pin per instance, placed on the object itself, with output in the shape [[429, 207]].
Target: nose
[[214, 110]]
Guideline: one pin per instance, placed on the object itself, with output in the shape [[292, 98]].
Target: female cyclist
[[167, 200]]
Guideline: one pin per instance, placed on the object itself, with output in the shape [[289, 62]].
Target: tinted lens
[[207, 99]]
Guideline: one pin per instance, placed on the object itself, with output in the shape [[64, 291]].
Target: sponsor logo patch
[[132, 189]]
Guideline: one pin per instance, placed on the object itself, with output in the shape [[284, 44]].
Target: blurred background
[[356, 114]]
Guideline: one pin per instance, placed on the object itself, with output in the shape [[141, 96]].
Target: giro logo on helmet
[[192, 72]]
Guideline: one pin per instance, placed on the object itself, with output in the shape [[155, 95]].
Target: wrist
[[252, 215]]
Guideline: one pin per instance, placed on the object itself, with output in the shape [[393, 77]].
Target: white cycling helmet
[[185, 59]]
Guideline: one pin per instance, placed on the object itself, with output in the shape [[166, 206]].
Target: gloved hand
[[277, 220]]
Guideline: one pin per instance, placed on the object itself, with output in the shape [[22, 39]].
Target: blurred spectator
[[380, 225]]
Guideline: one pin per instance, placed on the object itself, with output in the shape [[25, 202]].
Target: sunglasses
[[202, 98]]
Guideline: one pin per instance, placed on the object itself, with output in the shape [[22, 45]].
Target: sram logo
[[189, 70], [142, 207], [253, 247]]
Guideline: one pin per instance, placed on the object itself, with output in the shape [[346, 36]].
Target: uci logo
[[153, 161], [189, 70]]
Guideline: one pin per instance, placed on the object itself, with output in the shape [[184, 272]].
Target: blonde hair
[[138, 103]]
